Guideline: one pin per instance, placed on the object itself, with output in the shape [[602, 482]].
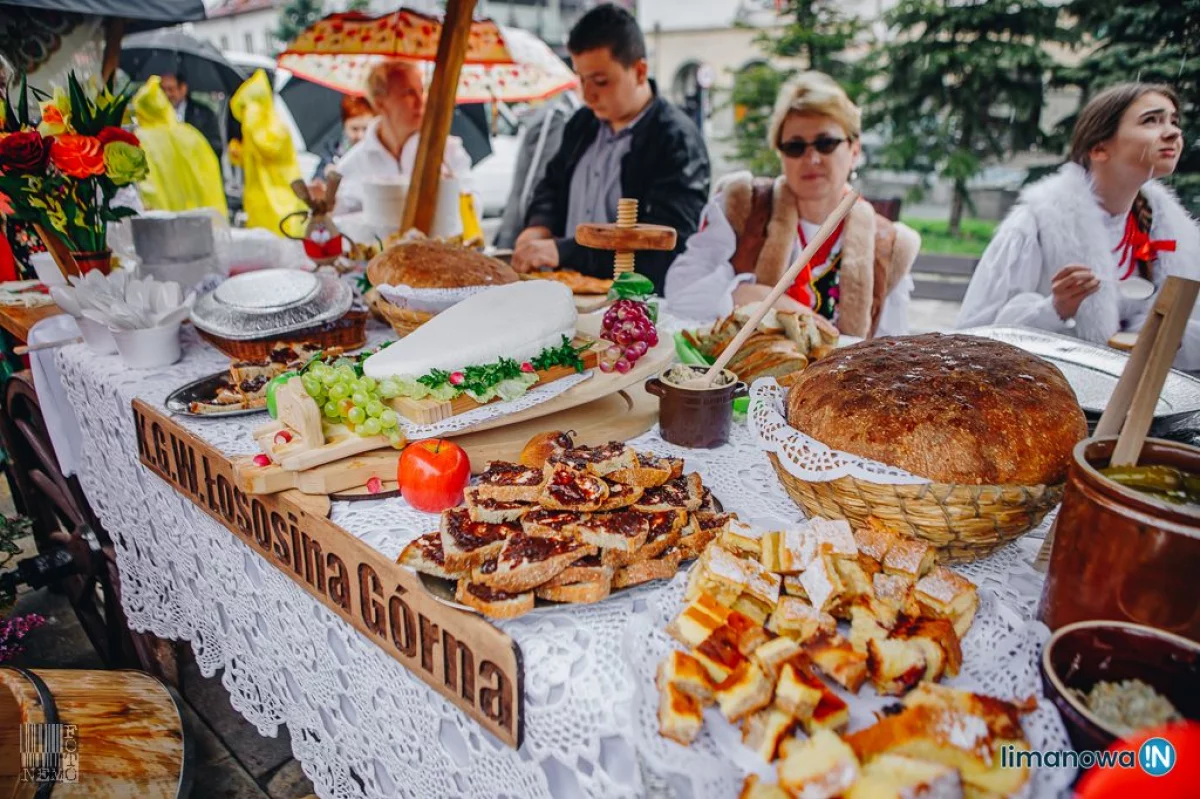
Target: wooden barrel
[[128, 739]]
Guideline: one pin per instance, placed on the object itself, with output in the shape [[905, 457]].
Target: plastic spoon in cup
[[172, 317], [99, 318], [64, 297]]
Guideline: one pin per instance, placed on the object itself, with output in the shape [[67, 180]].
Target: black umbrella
[[470, 124], [317, 111], [140, 14], [165, 52]]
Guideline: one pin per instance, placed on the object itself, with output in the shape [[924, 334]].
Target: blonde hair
[[381, 75], [818, 94]]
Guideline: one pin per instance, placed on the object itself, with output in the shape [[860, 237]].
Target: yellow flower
[[56, 114]]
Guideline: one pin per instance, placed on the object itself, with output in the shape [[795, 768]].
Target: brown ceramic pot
[[695, 418], [1080, 655], [1120, 554]]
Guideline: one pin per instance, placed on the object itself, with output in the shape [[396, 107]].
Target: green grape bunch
[[345, 396]]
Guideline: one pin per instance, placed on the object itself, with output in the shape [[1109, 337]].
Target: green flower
[[124, 163]]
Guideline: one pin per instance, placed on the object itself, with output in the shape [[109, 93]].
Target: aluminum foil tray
[[1093, 370], [271, 302]]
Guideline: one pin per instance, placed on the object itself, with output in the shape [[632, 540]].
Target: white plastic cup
[[149, 348], [96, 336], [47, 271]]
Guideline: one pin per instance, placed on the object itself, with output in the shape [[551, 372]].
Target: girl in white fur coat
[[1068, 256]]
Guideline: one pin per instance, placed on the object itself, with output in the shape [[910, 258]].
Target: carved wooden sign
[[463, 657]]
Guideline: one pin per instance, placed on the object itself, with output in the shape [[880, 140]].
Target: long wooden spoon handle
[[789, 277], [1174, 306]]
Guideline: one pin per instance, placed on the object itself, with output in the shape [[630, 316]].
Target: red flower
[[6, 208], [112, 133], [23, 151], [78, 156]]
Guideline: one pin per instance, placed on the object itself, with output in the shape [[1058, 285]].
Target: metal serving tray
[[1093, 370], [271, 302], [203, 390]]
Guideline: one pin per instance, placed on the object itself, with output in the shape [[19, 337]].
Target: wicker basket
[[964, 522], [403, 320], [348, 332]]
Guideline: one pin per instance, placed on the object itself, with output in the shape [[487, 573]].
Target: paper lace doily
[[427, 300], [803, 456], [536, 395]]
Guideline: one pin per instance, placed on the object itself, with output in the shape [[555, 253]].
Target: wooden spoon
[[789, 277]]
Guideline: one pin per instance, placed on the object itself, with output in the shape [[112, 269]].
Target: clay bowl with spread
[[1121, 554], [697, 418], [1080, 655]]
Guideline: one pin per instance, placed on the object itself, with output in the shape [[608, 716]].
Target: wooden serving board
[[597, 386], [330, 478], [431, 411], [339, 443], [615, 417], [589, 303]]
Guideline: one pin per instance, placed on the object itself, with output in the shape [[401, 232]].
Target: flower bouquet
[[63, 174]]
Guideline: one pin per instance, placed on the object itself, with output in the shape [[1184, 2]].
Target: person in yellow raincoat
[[268, 158], [184, 171]]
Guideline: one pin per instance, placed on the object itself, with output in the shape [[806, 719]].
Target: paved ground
[[926, 316], [232, 760]]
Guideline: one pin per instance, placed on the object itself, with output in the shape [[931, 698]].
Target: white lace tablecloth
[[361, 725]]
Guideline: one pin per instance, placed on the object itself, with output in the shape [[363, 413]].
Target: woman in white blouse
[[1085, 250], [754, 228]]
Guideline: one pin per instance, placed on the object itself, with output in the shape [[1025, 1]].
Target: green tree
[[962, 85], [754, 90], [359, 5], [295, 16], [816, 36], [1148, 41]]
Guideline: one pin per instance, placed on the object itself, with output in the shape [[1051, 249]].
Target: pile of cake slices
[[587, 521], [761, 629]]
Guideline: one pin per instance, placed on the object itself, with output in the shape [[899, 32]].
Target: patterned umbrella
[[501, 63]]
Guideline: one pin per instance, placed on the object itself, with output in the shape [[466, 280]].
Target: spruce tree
[[1154, 42], [963, 84], [816, 36], [295, 16]]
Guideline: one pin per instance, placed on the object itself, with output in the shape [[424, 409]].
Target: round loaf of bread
[[954, 409], [428, 264]]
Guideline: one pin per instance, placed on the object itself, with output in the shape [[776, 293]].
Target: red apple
[[433, 474]]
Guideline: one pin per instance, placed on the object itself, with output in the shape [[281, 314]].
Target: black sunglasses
[[796, 148]]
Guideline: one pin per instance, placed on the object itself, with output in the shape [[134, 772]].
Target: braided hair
[[1143, 217]]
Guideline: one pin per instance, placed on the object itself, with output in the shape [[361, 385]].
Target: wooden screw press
[[626, 237], [1130, 410]]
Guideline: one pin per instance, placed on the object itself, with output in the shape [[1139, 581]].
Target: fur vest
[[876, 253], [1070, 229]]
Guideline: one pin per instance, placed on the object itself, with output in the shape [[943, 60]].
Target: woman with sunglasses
[[1086, 249], [754, 228]]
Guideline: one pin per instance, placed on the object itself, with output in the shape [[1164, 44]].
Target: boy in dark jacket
[[626, 142]]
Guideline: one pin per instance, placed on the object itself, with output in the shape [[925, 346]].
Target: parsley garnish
[[479, 379]]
